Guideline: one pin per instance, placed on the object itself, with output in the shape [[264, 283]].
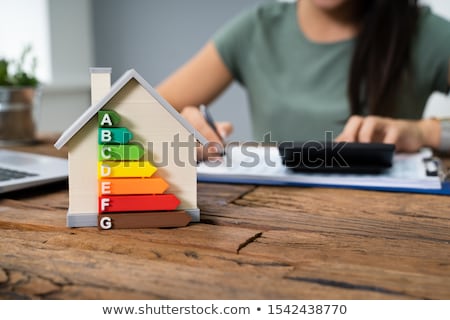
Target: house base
[[78, 220]]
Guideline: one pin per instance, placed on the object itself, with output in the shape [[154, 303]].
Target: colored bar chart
[[127, 190]]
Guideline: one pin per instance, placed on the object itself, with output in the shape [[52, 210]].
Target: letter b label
[[105, 136]]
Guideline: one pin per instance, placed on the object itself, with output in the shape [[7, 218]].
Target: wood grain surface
[[253, 242]]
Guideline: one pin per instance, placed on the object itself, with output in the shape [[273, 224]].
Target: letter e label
[[106, 187]]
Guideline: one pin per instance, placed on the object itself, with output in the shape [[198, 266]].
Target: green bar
[[108, 118], [114, 135], [121, 152]]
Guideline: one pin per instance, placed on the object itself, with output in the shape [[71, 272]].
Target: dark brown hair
[[382, 54]]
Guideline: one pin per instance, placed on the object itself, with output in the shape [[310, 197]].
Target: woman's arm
[[407, 135], [197, 82]]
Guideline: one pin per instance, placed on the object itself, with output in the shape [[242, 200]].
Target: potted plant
[[19, 99]]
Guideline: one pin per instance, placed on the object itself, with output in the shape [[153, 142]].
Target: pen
[[207, 115]]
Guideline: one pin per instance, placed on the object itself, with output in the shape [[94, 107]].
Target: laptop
[[20, 170]]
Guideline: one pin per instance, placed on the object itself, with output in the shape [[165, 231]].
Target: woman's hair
[[382, 54]]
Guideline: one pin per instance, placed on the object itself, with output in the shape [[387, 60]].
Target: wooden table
[[253, 242]]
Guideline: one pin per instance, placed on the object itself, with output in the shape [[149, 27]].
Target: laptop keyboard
[[8, 174]]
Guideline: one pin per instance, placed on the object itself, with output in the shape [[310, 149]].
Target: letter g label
[[106, 223]]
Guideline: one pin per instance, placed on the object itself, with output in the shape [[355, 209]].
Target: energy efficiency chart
[[125, 182]]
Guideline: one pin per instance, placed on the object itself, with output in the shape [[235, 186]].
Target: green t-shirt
[[297, 88]]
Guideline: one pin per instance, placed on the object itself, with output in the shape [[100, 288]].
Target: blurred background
[[154, 37]]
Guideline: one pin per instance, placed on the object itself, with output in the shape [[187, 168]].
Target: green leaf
[[4, 78], [21, 77]]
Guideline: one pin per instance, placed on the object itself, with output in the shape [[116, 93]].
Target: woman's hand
[[407, 135], [197, 120]]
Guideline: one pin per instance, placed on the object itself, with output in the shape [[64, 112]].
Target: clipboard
[[261, 165]]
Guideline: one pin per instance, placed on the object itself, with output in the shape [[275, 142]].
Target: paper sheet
[[262, 165]]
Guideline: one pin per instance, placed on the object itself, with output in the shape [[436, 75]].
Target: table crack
[[242, 195], [248, 241], [350, 286]]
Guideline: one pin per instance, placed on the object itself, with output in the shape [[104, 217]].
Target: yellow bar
[[125, 169]]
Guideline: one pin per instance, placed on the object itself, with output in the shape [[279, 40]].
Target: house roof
[[115, 88]]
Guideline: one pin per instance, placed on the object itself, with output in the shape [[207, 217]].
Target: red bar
[[155, 202]]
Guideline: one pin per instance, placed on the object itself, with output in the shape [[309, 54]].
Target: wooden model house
[[131, 158]]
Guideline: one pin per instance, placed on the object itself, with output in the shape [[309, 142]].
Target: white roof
[[119, 84]]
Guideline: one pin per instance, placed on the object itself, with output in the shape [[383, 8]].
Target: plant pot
[[18, 109]]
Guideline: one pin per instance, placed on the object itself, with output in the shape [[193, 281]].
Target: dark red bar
[[166, 219]]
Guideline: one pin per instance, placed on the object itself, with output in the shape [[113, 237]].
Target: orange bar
[[126, 186]]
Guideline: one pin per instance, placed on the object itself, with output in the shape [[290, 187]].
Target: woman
[[360, 69]]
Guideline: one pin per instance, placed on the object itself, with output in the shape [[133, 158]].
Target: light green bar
[[123, 152]]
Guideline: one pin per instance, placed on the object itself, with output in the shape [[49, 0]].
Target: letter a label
[[108, 118], [106, 121]]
